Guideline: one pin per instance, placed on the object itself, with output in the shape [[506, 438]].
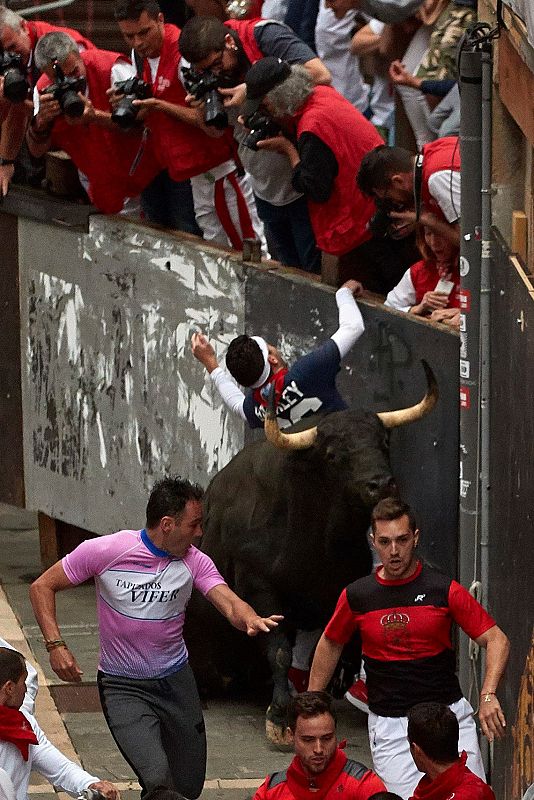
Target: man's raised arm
[[327, 654]]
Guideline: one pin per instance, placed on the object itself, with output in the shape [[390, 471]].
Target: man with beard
[[404, 612]]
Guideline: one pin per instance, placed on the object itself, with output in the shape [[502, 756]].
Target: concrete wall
[[113, 399]]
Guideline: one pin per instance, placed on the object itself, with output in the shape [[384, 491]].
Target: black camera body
[[381, 225], [261, 126], [65, 92], [204, 86], [12, 69], [125, 113]]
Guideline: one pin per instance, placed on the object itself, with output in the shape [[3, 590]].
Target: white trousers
[[413, 100], [390, 750], [217, 206]]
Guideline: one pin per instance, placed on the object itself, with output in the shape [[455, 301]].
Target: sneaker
[[298, 679], [357, 695]]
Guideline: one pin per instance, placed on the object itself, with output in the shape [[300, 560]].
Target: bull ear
[[393, 419], [285, 441]]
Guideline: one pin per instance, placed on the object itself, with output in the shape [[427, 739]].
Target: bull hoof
[[278, 736]]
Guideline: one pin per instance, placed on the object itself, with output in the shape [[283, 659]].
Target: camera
[[261, 126], [125, 113], [381, 225], [203, 86], [12, 69], [65, 91]]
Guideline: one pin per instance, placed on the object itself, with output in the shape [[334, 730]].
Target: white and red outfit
[[224, 205], [420, 278], [405, 628], [105, 156], [456, 783], [342, 777], [440, 187], [37, 29], [341, 223], [27, 749]]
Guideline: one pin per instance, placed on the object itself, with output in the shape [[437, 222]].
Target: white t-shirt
[[445, 188]]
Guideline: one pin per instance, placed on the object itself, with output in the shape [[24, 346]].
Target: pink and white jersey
[[142, 594]]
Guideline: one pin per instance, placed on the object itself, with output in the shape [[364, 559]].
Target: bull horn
[[392, 419], [285, 441]]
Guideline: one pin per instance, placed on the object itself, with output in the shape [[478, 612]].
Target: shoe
[[298, 679], [357, 695]]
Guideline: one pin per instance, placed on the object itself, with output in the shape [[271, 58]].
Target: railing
[[18, 6]]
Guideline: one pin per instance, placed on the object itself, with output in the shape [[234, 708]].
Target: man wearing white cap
[[305, 388]]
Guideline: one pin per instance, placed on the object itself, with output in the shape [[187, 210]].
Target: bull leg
[[279, 652]]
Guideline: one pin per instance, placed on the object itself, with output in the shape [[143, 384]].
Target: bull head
[[389, 419]]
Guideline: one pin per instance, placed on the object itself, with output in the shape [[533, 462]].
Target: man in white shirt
[[23, 745]]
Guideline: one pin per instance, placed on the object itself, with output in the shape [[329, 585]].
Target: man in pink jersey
[[144, 580]]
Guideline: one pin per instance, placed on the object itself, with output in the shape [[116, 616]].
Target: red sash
[[15, 728]]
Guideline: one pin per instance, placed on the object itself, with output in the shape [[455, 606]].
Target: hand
[[434, 300], [88, 116], [235, 96], [6, 174], [191, 100], [491, 718], [276, 144], [402, 223], [49, 110], [355, 287], [203, 351], [65, 665], [106, 788], [400, 76], [447, 316], [114, 97], [263, 624]]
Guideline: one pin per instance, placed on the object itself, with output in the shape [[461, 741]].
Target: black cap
[[263, 76]]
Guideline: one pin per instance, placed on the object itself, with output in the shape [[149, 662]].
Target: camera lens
[[71, 104], [15, 86]]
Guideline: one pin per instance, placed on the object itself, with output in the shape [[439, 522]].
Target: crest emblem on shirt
[[163, 83], [395, 624]]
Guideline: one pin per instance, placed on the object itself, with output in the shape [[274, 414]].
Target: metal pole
[[470, 267], [485, 344]]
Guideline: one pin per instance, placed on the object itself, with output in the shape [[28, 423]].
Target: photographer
[[72, 114], [19, 37], [332, 137], [228, 50], [387, 175], [186, 146]]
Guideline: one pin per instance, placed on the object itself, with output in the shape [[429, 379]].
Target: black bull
[[287, 524]]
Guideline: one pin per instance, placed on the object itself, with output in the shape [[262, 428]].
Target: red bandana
[[15, 728], [301, 785], [261, 395]]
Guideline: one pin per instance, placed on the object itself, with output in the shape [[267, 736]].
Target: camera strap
[[417, 184], [139, 65]]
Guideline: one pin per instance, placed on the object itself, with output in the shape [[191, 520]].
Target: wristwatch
[[487, 696], [6, 162]]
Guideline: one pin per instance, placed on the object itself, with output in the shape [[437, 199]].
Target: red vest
[[425, 275], [245, 32], [340, 224], [104, 155], [183, 149], [442, 154]]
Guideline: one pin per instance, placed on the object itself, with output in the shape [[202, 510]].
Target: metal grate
[[76, 698]]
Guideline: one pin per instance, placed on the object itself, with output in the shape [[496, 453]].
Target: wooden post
[[48, 540], [520, 235]]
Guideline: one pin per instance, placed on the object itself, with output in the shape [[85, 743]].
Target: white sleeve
[[121, 71], [36, 102], [231, 394], [55, 767], [7, 790], [402, 296], [351, 324], [444, 186], [376, 26]]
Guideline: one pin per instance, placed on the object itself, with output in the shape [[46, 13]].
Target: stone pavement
[[239, 756]]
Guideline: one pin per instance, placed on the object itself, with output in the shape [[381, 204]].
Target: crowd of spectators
[[259, 121]]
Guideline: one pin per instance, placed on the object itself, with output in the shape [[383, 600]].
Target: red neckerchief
[[15, 728], [261, 395], [442, 787], [301, 785]]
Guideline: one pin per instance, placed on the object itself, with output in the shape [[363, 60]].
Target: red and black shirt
[[405, 627]]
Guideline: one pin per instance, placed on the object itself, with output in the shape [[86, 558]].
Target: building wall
[[113, 398]]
